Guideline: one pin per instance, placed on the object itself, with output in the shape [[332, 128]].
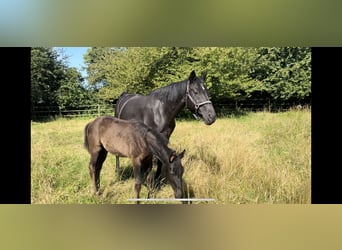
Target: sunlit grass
[[255, 158]]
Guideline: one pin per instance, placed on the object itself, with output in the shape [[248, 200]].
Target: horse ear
[[181, 155], [172, 157], [192, 75]]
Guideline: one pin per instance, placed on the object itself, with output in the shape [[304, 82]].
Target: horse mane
[[169, 92]]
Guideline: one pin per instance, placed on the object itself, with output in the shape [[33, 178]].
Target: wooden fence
[[44, 112], [259, 105], [52, 112]]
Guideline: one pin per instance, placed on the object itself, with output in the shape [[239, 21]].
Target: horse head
[[197, 100]]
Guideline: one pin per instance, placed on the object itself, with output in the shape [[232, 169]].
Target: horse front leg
[[159, 176], [117, 169]]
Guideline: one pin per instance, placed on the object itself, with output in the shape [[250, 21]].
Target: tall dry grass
[[254, 158]]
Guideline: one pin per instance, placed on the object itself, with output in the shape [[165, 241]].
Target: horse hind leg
[[95, 167], [92, 164], [101, 158]]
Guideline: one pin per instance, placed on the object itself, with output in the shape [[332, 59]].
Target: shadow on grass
[[125, 173]]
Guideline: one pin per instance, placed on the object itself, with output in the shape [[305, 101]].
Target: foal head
[[175, 172]]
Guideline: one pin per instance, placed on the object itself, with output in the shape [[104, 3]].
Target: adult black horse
[[160, 108]]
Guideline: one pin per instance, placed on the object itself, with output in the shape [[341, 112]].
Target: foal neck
[[158, 145]]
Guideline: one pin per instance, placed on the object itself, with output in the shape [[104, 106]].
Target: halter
[[197, 105]]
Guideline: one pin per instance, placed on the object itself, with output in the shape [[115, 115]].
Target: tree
[[136, 69], [234, 73], [71, 93], [53, 83], [47, 71], [285, 72]]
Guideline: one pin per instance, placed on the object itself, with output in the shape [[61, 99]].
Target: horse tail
[[86, 144]]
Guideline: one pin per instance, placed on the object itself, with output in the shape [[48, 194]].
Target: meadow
[[252, 158]]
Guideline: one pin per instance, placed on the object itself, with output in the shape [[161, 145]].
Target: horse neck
[[173, 96]]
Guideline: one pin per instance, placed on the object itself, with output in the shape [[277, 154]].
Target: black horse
[[159, 109]]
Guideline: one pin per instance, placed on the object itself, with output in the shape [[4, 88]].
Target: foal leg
[[149, 176], [95, 165], [92, 166], [138, 179], [98, 167]]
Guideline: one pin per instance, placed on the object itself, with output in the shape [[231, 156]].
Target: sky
[[75, 55]]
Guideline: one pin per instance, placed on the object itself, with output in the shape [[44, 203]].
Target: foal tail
[[86, 144]]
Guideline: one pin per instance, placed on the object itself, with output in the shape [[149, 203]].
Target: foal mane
[[158, 143], [149, 133]]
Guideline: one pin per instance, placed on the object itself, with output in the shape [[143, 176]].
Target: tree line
[[233, 73]]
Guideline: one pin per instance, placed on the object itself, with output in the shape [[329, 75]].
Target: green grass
[[254, 158]]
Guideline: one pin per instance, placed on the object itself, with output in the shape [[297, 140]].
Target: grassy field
[[253, 158]]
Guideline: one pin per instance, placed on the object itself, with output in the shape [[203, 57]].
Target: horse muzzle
[[207, 113]]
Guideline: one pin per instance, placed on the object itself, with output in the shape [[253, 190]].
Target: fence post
[[269, 105], [98, 109]]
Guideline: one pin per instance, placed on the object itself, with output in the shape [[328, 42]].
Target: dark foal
[[135, 140]]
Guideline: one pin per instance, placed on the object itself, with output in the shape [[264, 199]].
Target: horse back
[[146, 109], [119, 137], [123, 100]]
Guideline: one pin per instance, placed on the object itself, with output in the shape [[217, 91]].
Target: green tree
[[236, 73], [72, 94], [47, 71], [227, 69], [136, 69], [53, 83], [285, 71]]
